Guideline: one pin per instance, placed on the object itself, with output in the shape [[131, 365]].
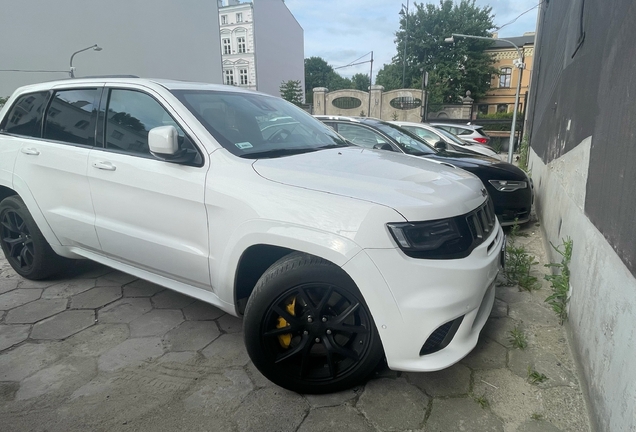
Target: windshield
[[451, 137], [408, 142], [258, 126]]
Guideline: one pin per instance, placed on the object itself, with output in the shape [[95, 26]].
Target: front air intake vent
[[441, 337]]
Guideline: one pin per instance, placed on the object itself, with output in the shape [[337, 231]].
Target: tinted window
[[360, 135], [71, 116], [25, 116], [131, 115]]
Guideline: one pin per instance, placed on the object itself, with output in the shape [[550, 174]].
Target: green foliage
[[517, 338], [360, 82], [561, 281], [535, 377], [319, 73], [292, 92], [496, 116], [536, 416], [394, 116], [3, 100], [482, 401], [524, 153], [519, 263], [362, 113], [453, 68]]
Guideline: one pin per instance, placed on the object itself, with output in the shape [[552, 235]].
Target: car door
[[149, 213], [53, 165]]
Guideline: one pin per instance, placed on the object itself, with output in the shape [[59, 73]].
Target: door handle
[[106, 166], [30, 151]]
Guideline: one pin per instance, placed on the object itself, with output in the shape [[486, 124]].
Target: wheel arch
[[6, 192]]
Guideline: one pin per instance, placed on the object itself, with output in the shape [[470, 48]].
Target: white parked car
[[334, 255]]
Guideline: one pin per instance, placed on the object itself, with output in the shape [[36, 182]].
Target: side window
[[25, 116], [130, 116], [360, 135], [71, 116], [463, 132], [426, 135]]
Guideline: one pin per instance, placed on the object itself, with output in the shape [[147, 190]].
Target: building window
[[239, 17], [502, 108], [240, 41], [229, 77], [223, 19], [243, 76], [482, 109], [505, 77], [227, 47]]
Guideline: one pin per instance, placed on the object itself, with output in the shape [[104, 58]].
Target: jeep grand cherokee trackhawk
[[335, 255]]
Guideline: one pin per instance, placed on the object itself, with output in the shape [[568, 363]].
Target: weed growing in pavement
[[517, 338], [394, 116], [524, 149], [561, 281], [519, 263], [482, 401], [536, 416], [535, 377]]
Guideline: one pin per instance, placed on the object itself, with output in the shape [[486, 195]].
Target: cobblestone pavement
[[101, 350]]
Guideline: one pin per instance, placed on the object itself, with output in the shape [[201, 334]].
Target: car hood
[[417, 188], [481, 166]]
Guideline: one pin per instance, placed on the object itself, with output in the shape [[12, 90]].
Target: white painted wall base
[[603, 291]]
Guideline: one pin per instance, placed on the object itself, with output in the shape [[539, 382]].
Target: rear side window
[[25, 116], [71, 116]]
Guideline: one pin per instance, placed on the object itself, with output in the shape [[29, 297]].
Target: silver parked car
[[467, 132]]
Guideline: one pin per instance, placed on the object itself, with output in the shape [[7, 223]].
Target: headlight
[[438, 239], [508, 185]]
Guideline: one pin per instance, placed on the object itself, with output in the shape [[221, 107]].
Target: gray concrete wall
[[602, 307], [279, 46], [176, 39]]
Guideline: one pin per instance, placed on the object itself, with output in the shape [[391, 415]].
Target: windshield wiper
[[274, 153], [330, 146]]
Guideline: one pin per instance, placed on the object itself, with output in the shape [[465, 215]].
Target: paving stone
[[393, 405], [464, 415], [226, 351], [453, 381], [498, 329], [29, 284], [537, 426], [543, 362], [86, 269], [63, 325], [131, 352], [68, 288], [71, 374], [142, 288], [258, 378], [271, 409], [26, 359], [182, 357], [332, 399], [534, 314], [511, 398], [512, 295], [191, 336], [230, 324], [488, 354], [18, 297], [499, 309], [124, 310], [565, 408], [201, 311], [8, 391], [2, 314], [95, 340], [7, 285], [12, 335], [35, 311], [116, 277], [95, 298], [169, 299], [155, 323], [219, 393], [340, 418]]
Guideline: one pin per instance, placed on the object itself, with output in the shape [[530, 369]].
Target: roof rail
[[110, 76]]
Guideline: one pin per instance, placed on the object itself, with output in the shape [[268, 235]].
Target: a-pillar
[[376, 101], [320, 100]]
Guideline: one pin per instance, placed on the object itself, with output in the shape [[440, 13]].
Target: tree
[[319, 73], [453, 67], [360, 82], [3, 100], [292, 91]]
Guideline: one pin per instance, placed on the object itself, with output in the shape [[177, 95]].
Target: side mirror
[[163, 142], [384, 146], [440, 145]]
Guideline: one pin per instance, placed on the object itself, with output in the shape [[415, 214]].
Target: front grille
[[481, 222], [441, 337]]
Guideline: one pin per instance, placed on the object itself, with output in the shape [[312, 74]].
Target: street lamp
[[405, 13], [71, 71], [519, 64]]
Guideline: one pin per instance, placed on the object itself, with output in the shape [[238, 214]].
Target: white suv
[[334, 255]]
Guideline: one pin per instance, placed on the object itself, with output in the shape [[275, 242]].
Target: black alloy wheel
[[315, 335], [17, 241]]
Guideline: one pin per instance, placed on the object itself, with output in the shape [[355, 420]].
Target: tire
[[308, 329], [23, 244]]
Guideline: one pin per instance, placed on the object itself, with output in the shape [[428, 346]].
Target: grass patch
[[524, 149], [560, 281], [482, 401], [519, 263], [536, 416], [517, 339], [535, 377]]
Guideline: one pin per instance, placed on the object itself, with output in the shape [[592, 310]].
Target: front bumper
[[410, 299]]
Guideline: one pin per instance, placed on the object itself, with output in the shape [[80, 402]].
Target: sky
[[340, 31]]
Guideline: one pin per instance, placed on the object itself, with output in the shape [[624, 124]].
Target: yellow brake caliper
[[285, 339]]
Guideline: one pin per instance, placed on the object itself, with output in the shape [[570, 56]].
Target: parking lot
[[101, 350]]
